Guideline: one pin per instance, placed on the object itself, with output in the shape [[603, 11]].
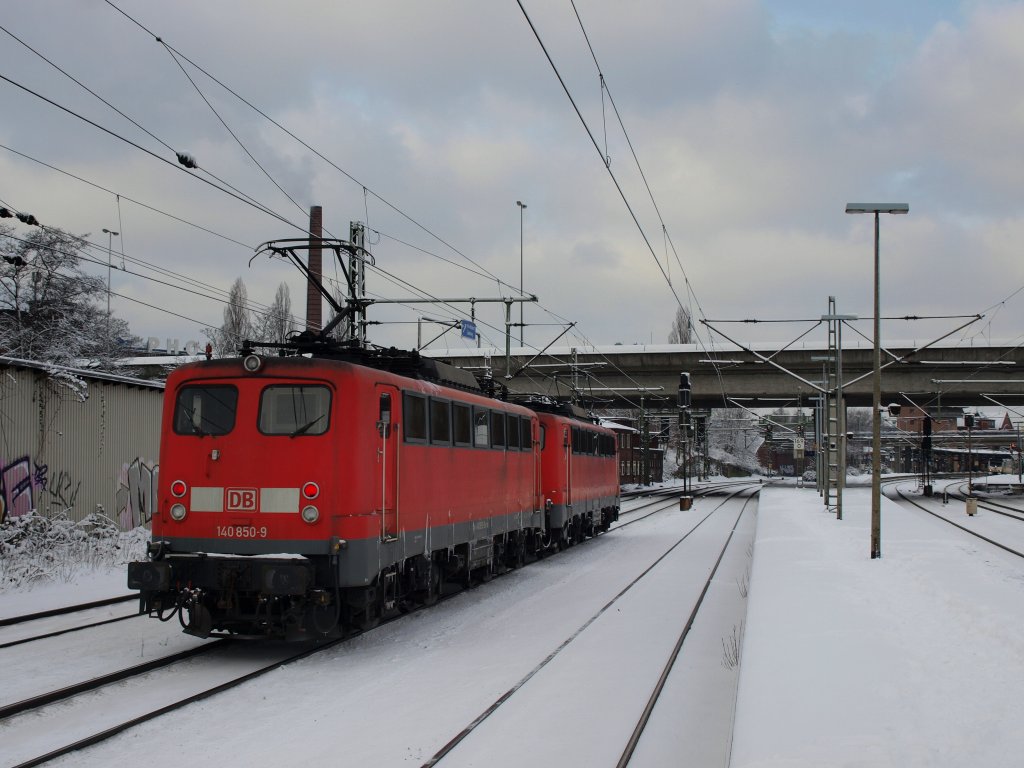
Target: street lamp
[[111, 234], [522, 207], [876, 416]]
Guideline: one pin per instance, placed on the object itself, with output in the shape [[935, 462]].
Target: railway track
[[615, 603], [909, 500], [28, 628], [53, 706], [1006, 510], [66, 711]]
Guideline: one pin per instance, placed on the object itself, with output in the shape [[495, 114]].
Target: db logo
[[241, 499]]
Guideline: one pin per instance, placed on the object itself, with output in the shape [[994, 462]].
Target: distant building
[[632, 453]]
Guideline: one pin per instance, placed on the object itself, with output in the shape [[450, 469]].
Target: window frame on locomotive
[[480, 431], [309, 428], [195, 414]]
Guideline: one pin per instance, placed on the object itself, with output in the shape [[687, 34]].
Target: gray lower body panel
[[361, 560]]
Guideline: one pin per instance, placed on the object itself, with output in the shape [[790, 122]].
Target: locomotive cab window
[[208, 410], [294, 410]]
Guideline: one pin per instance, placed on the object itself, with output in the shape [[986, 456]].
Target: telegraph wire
[[597, 147], [129, 199], [240, 196], [316, 152], [225, 189], [611, 174], [138, 125], [231, 132], [257, 308]]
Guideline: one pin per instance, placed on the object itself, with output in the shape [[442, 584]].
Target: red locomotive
[[300, 496]]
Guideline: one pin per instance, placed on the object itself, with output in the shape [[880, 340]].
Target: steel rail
[[67, 609], [485, 714], [993, 542], [66, 630], [645, 717], [67, 692]]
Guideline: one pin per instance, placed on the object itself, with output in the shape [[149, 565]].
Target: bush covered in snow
[[35, 548]]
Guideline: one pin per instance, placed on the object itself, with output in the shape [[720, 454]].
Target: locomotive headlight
[[310, 490], [310, 514], [178, 512], [252, 363], [178, 489]]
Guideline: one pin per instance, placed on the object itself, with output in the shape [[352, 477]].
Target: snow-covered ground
[[913, 659]]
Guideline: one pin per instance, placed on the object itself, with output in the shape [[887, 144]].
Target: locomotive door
[[388, 437], [567, 447]]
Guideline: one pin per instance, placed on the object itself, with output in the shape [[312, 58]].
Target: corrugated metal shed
[[75, 441]]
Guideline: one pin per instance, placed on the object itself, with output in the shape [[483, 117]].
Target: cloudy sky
[[754, 121]]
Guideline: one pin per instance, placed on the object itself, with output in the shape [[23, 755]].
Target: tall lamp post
[[876, 416], [522, 207], [111, 234]]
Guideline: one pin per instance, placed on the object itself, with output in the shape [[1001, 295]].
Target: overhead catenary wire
[[225, 189], [295, 137], [365, 188], [260, 206], [612, 175]]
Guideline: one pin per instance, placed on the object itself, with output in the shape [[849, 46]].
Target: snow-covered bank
[[915, 659]]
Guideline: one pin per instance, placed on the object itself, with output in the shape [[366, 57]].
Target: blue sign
[[468, 329]]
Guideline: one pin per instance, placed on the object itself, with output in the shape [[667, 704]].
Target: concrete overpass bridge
[[760, 376]]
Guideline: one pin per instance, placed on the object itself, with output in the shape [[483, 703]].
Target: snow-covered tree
[[682, 328], [50, 309]]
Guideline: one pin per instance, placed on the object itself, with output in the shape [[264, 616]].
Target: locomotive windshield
[[205, 410], [287, 409]]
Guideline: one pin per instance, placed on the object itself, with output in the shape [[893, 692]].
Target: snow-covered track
[[731, 489], [645, 716], [214, 665], [965, 529], [67, 692], [72, 619], [1014, 513], [12, 620], [454, 743]]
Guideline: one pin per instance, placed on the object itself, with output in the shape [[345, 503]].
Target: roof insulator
[[187, 160], [5, 214], [29, 219]]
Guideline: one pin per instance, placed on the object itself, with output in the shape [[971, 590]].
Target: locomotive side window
[[462, 425], [497, 429], [205, 410], [293, 410], [481, 428], [415, 407], [525, 438], [440, 422], [512, 432]]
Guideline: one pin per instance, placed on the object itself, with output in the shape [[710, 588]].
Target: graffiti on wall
[[136, 492], [21, 482], [26, 486]]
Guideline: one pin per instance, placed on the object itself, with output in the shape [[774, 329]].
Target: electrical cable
[[225, 189]]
